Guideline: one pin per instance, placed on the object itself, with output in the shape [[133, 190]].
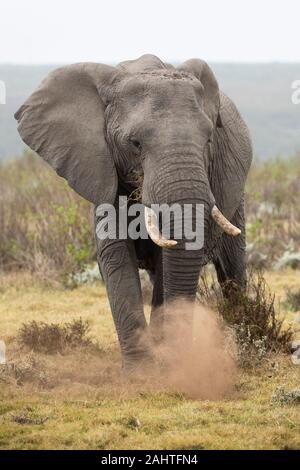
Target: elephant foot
[[138, 367], [156, 327], [157, 334]]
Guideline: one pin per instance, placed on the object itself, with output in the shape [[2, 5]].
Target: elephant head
[[96, 125]]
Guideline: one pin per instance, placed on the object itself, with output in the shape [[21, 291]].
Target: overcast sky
[[60, 31]]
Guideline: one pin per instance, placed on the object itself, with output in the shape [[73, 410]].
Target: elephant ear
[[204, 74], [63, 122]]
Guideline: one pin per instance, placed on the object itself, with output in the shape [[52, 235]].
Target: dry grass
[[293, 299], [80, 401], [45, 227]]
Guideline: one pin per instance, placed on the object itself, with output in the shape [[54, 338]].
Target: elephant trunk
[[182, 263], [184, 184]]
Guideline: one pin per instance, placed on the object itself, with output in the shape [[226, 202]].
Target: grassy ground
[[85, 404]]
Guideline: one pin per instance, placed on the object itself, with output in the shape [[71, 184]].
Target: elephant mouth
[[154, 233]]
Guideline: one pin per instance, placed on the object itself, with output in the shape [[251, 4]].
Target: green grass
[[86, 405]]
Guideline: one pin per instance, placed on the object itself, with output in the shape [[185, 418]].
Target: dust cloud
[[198, 354]]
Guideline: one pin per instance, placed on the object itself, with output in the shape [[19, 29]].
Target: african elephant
[[107, 129]]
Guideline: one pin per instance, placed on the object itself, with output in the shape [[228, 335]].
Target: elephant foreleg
[[157, 316], [230, 258], [118, 266]]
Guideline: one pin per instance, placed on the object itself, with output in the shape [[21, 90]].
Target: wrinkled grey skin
[[100, 127]]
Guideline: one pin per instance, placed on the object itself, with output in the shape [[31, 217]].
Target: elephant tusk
[[153, 230], [224, 223]]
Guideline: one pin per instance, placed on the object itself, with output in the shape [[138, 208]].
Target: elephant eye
[[136, 144]]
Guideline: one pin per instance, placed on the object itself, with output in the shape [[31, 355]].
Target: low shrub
[[53, 338], [251, 313]]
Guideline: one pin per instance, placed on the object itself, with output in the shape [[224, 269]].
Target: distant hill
[[262, 93], [20, 81]]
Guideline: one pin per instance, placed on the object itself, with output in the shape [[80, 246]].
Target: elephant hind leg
[[230, 258]]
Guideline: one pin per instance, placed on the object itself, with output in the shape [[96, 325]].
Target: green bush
[[273, 207], [45, 226]]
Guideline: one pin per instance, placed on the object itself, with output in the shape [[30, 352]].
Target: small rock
[[297, 319], [295, 345], [283, 396], [288, 259], [134, 422], [27, 419], [295, 357]]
